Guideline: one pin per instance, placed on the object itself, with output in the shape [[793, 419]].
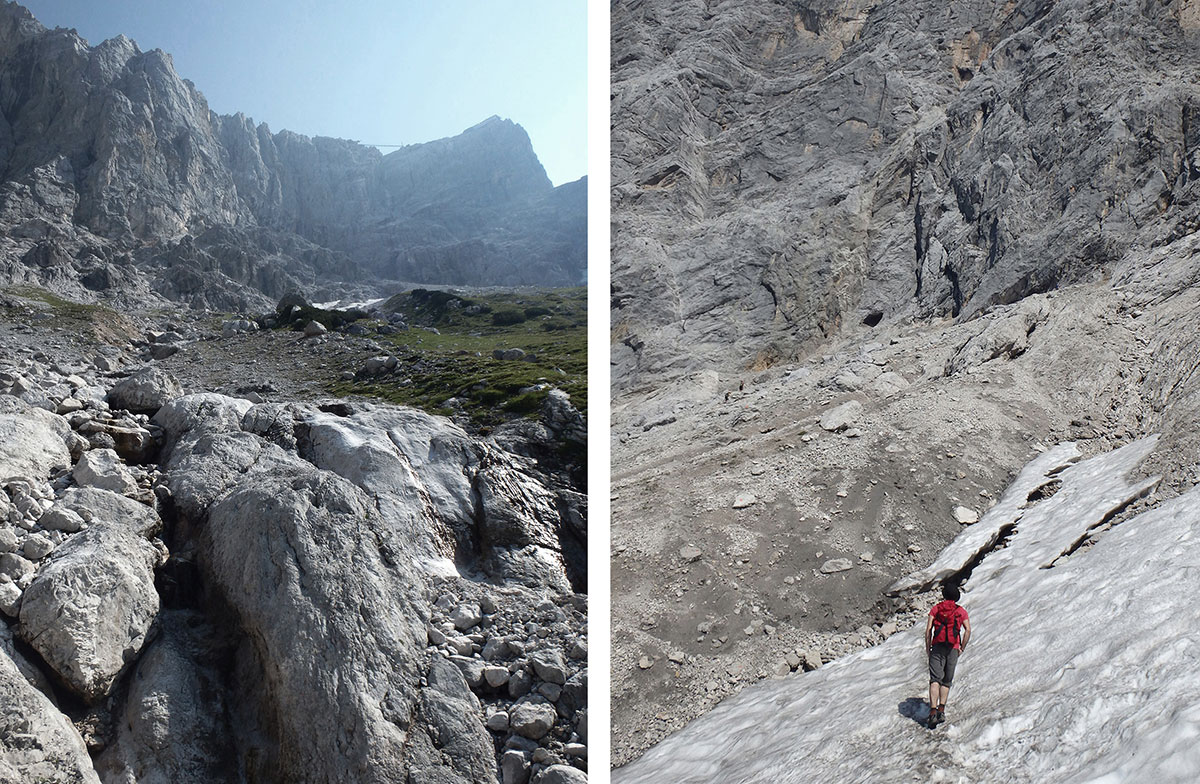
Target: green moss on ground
[[59, 307], [102, 323], [457, 360]]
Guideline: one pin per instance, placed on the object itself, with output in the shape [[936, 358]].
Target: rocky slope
[[869, 260], [117, 180], [272, 585]]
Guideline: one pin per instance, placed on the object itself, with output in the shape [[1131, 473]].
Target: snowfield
[[1083, 666]]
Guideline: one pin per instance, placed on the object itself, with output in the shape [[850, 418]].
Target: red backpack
[[945, 623]]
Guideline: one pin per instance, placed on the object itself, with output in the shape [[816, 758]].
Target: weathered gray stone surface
[[452, 713], [561, 774], [106, 508], [532, 719], [174, 725], [88, 611], [37, 742], [782, 171], [31, 441], [145, 391], [103, 469]]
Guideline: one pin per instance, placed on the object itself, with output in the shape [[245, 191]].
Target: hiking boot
[[935, 716]]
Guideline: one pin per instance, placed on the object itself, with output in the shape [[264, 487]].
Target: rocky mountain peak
[[107, 152]]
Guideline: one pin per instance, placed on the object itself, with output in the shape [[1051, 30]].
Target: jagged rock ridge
[[116, 176]]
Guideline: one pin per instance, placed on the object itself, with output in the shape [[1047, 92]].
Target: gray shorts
[[942, 660]]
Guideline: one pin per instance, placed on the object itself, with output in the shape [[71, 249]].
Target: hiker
[[943, 643]]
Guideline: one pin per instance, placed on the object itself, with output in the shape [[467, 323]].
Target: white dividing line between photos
[[598, 392]]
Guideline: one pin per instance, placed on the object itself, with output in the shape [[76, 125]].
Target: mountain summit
[[115, 176]]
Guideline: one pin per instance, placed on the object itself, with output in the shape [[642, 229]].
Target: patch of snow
[[440, 567], [1080, 669], [341, 304]]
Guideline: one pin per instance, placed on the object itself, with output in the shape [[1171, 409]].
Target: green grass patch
[[104, 324], [60, 307], [457, 360]]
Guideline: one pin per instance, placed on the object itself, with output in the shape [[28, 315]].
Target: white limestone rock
[[89, 610], [103, 469], [145, 391]]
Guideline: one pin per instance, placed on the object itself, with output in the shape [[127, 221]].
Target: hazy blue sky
[[378, 71]]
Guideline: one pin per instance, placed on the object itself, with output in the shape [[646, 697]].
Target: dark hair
[[950, 591]]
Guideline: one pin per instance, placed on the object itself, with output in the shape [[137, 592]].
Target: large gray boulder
[[561, 774], [521, 530], [450, 496], [37, 742], [31, 441], [105, 508], [301, 557], [145, 392], [88, 611], [414, 463], [454, 723], [174, 723], [103, 469]]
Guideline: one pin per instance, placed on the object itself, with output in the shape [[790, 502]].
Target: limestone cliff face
[[784, 171], [109, 160]]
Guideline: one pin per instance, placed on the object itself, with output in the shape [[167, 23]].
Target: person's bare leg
[[943, 694], [934, 688]]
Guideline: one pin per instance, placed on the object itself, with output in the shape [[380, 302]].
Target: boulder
[[314, 328], [965, 515], [532, 720], [563, 419], [10, 598], [842, 417], [836, 565], [514, 767], [466, 616], [37, 547], [496, 677], [743, 500], [174, 725], [15, 567], [145, 392], [301, 557], [62, 519], [89, 610], [561, 774], [407, 460], [103, 469], [31, 441], [452, 716], [105, 508], [37, 742], [549, 665], [161, 351]]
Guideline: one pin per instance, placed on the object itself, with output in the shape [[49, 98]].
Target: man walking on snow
[[943, 643]]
